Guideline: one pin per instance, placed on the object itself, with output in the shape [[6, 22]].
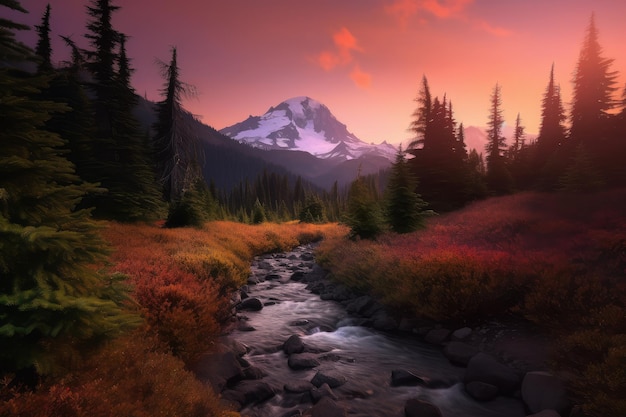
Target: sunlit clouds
[[342, 55], [403, 10]]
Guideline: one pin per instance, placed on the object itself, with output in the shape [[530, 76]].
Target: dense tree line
[[587, 155], [71, 150]]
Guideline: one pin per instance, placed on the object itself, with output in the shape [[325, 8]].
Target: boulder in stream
[[293, 345], [542, 390], [326, 407], [459, 353], [401, 377], [481, 391], [250, 304], [418, 408], [252, 392], [332, 379], [485, 368], [302, 361]]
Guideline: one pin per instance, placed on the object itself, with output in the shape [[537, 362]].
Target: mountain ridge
[[304, 124]]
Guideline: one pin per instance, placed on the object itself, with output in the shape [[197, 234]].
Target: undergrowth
[[558, 260]]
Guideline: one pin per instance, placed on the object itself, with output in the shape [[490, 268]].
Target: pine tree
[[440, 160], [51, 296], [404, 205], [499, 178], [119, 159], [363, 214], [422, 115], [594, 85], [133, 192], [177, 150], [550, 153], [43, 49]]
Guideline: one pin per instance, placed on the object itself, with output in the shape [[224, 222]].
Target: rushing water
[[364, 356]]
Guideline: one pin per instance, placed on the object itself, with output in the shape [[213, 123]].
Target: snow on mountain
[[304, 124]]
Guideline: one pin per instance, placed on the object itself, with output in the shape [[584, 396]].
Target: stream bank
[[303, 345]]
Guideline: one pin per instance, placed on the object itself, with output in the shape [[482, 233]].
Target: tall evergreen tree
[[119, 160], [440, 160], [404, 205], [363, 213], [43, 49], [498, 176], [177, 150], [550, 153], [594, 85], [421, 116], [50, 293]]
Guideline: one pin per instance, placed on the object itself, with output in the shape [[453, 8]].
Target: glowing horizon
[[365, 63]]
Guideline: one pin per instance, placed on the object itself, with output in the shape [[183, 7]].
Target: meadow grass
[[180, 281], [558, 260]]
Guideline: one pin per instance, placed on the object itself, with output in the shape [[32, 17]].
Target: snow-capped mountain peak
[[304, 124]]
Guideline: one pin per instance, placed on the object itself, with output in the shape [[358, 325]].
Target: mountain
[[304, 124]]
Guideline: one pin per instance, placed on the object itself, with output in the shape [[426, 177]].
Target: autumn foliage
[[180, 281], [558, 260]]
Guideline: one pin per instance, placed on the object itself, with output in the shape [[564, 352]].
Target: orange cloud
[[345, 44], [342, 55], [403, 10], [361, 79], [443, 9]]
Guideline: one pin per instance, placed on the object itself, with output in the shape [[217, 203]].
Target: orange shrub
[[128, 377]]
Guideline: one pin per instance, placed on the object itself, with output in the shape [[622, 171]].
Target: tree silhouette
[[51, 295], [550, 151], [43, 49], [404, 205], [177, 150], [498, 176], [594, 85]]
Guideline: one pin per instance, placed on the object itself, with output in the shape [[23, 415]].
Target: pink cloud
[[345, 44], [361, 79], [403, 10], [443, 9], [342, 55]]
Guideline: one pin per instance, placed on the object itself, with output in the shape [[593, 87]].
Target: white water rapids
[[364, 356]]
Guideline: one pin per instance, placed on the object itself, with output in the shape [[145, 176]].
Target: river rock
[[418, 408], [293, 345], [298, 275], [219, 369], [332, 379], [461, 334], [272, 277], [401, 377], [254, 392], [298, 386], [254, 372], [383, 321], [437, 336], [302, 361], [360, 304], [326, 407], [324, 391], [250, 304], [481, 391], [542, 390], [485, 368], [459, 353], [545, 413]]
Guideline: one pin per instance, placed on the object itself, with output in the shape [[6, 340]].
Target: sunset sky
[[364, 59]]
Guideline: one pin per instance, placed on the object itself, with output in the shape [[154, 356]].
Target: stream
[[364, 356]]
